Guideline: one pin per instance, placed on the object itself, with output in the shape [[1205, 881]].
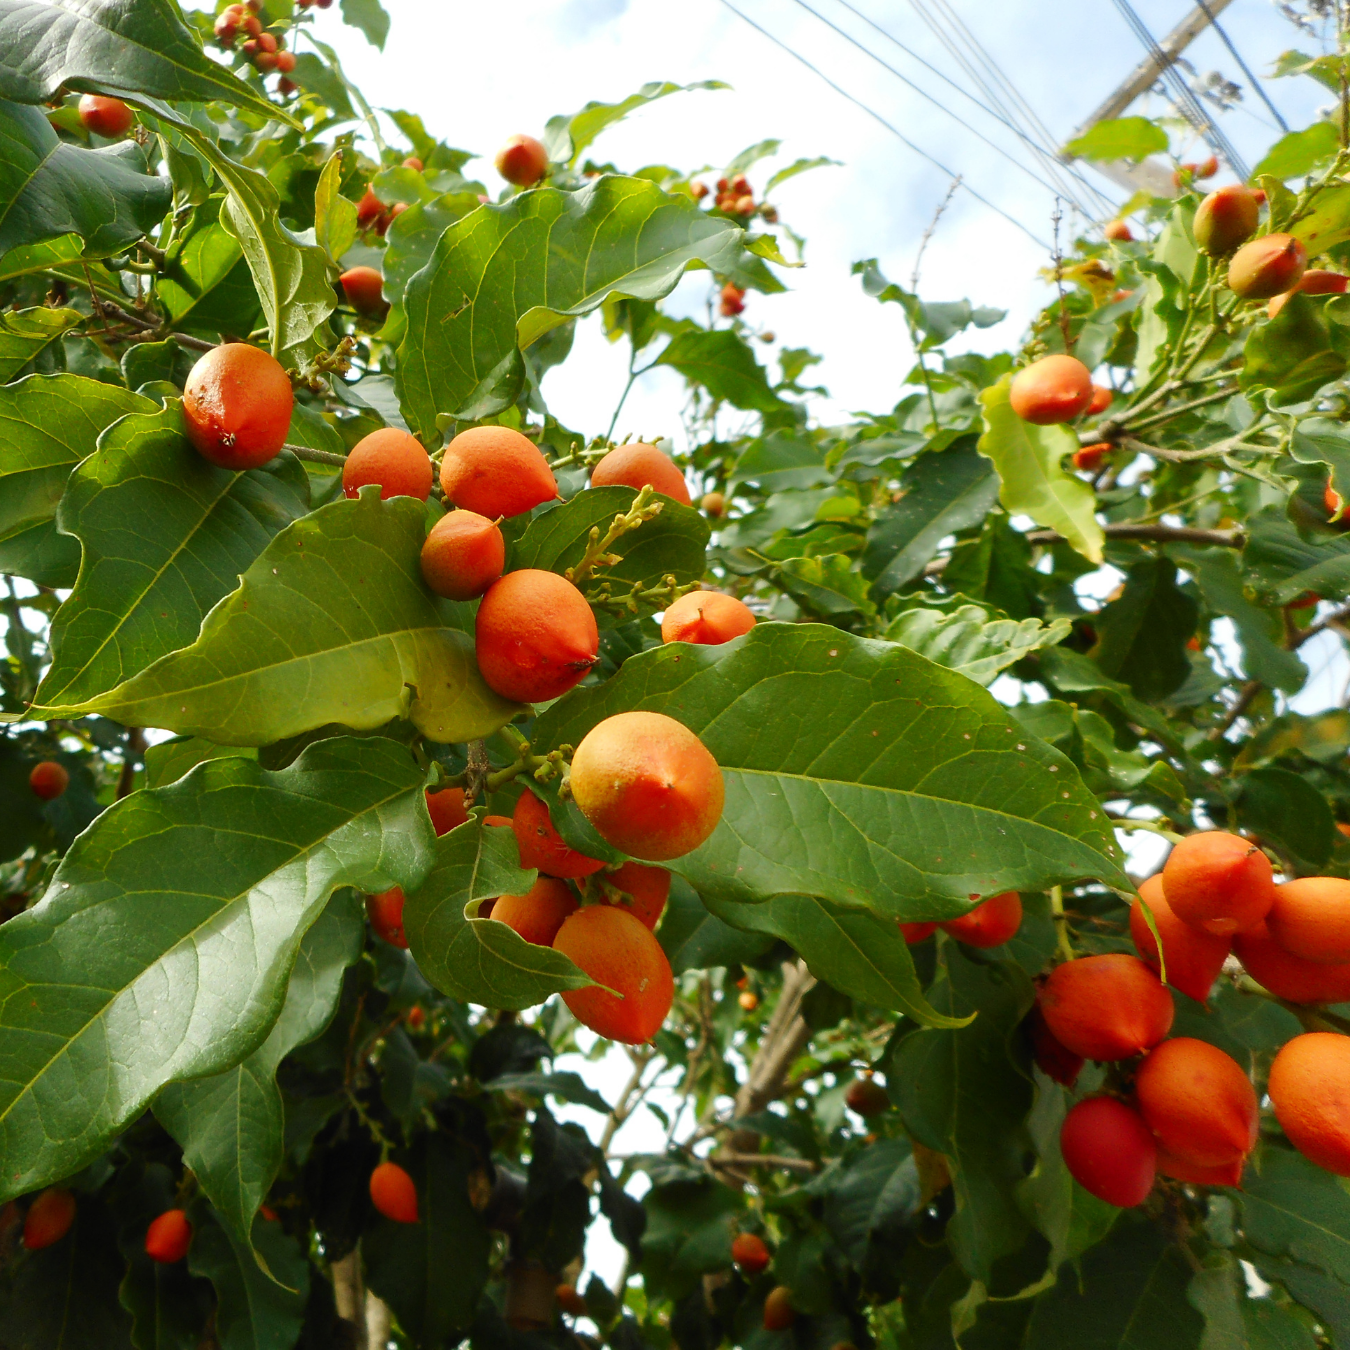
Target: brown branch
[[784, 1039], [727, 1161], [109, 309], [1244, 701], [315, 456], [1158, 534], [1321, 626], [135, 747]]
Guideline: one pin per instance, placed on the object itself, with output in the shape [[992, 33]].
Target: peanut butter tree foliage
[[250, 687]]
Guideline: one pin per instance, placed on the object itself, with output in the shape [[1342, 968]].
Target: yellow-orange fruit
[[413, 163], [1225, 218], [1089, 457], [916, 932], [749, 1252], [1225, 1174], [1197, 1101], [1053, 389], [168, 1238], [522, 161], [1102, 398], [1218, 882], [748, 1000], [386, 916], [707, 618], [648, 785], [541, 846], [539, 913], [463, 555], [1106, 1007], [1117, 231], [497, 472], [237, 406], [1310, 1089], [535, 636], [446, 809], [639, 465], [1109, 1151], [779, 1314], [1289, 976], [391, 458], [108, 117], [1315, 281], [393, 1193], [990, 924], [1194, 957], [615, 950], [647, 888], [364, 289], [49, 1218], [714, 504], [867, 1097], [1311, 918], [1267, 266], [48, 779]]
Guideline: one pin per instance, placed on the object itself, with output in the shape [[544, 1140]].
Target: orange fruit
[[990, 924], [496, 472], [539, 913], [1288, 976], [1197, 1101], [48, 779], [393, 1193], [867, 1097], [1053, 389], [386, 916], [542, 847], [1054, 1060], [1315, 281], [1267, 266], [1309, 1087], [446, 809], [1106, 1007], [463, 555], [108, 117], [916, 932], [707, 618], [1194, 957], [779, 1314], [1217, 882], [749, 1252], [638, 465], [364, 289], [391, 458], [168, 1238], [237, 406], [1311, 919], [1109, 1151], [535, 636], [647, 888], [617, 951], [49, 1218], [522, 161], [1225, 218]]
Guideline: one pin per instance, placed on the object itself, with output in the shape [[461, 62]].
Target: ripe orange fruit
[[638, 465], [748, 1000], [1102, 398], [541, 846], [779, 1314], [1267, 266], [648, 785], [392, 1192], [1194, 957], [749, 1252], [1054, 1060], [522, 161], [707, 618], [1106, 1007], [369, 209], [1289, 976], [446, 809], [237, 406], [49, 1218], [1311, 918], [714, 504], [364, 289], [1225, 218], [391, 458], [569, 1301], [615, 950], [539, 913], [1224, 1174], [916, 932], [990, 924], [386, 916], [1053, 389], [413, 163], [463, 555], [647, 888], [535, 636], [497, 472], [1217, 882], [1197, 1101], [48, 779], [1310, 1089], [1117, 231], [108, 117], [168, 1238], [867, 1097], [1109, 1151], [1315, 281]]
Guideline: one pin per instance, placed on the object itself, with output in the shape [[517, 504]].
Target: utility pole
[[1150, 175]]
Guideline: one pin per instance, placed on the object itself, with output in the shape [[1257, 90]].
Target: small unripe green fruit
[[1224, 219], [1267, 266]]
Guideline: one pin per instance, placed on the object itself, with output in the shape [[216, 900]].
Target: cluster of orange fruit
[[50, 1216], [736, 197], [265, 50]]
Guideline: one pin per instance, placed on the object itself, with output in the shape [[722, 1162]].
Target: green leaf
[[211, 933], [1327, 222], [504, 275], [1029, 460], [1142, 635], [937, 323], [50, 188], [854, 952], [165, 535], [567, 135], [26, 333], [231, 1126], [1133, 138], [19, 262], [167, 761], [696, 939], [48, 424], [409, 246], [1300, 152], [480, 960], [331, 624], [334, 215], [721, 361], [904, 788], [128, 50], [752, 154], [1286, 808], [567, 1087], [827, 586], [1292, 1208], [779, 461], [209, 287], [962, 1093], [369, 17], [942, 493], [1291, 357], [796, 167], [1283, 563], [970, 640]]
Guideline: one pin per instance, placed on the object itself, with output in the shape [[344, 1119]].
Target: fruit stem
[[1061, 922], [1169, 413], [314, 456], [597, 549], [1125, 823]]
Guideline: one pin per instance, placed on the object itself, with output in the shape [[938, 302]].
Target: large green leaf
[[210, 884], [126, 47], [1120, 138], [568, 134], [209, 287], [504, 275], [856, 771], [1029, 460], [480, 960], [27, 332], [1292, 356], [972, 640], [695, 939], [165, 535], [1142, 634], [721, 361], [48, 424], [231, 1126], [409, 246], [1292, 1208], [331, 624], [49, 188]]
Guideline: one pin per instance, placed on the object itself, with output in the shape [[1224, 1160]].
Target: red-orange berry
[[393, 1193], [168, 1238], [1311, 918], [48, 779], [707, 618], [1315, 281], [534, 636], [364, 289], [1288, 976], [539, 913], [750, 1253], [990, 924], [916, 932], [1109, 1151], [1102, 398], [1310, 1089], [1106, 1007], [1194, 957], [237, 406], [496, 472], [386, 916], [617, 951], [867, 1097], [570, 1301], [1054, 1060], [1218, 882], [393, 459], [647, 889], [541, 846], [49, 1218], [1053, 389], [107, 117], [522, 161], [1267, 266], [446, 809], [369, 209], [1198, 1102], [1225, 218], [638, 465], [1117, 231], [463, 555], [779, 1314], [1089, 457], [413, 163]]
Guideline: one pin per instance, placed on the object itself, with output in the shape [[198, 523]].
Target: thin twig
[[315, 456], [736, 1160], [1244, 701], [1157, 534]]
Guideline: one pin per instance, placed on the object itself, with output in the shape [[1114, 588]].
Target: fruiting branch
[[666, 593], [644, 508]]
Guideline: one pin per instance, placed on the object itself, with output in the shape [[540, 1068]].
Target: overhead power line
[[1246, 70]]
